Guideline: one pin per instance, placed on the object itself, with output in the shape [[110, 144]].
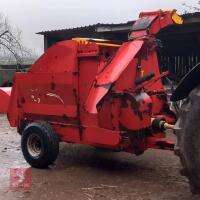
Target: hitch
[[161, 125]]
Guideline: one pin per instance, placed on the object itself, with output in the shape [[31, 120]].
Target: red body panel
[[111, 73], [97, 94], [4, 99]]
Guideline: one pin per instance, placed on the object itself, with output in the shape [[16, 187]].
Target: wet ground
[[84, 173]]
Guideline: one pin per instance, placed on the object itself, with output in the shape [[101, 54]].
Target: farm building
[[181, 44]]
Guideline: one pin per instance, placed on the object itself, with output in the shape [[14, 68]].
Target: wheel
[[40, 144], [187, 129]]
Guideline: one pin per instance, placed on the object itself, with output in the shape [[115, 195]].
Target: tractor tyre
[[187, 148], [40, 144]]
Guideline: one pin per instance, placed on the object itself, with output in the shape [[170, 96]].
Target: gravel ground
[[82, 172]]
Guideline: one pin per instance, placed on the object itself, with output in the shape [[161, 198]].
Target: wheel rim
[[34, 145]]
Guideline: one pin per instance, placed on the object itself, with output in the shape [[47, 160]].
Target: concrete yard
[[83, 172]]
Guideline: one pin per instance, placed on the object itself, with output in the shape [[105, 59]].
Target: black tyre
[[187, 129], [40, 144]]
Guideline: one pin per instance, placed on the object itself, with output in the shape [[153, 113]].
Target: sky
[[32, 16]]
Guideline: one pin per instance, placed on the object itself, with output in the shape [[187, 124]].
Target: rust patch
[[53, 86]]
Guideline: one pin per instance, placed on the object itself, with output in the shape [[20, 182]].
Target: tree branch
[[3, 33]]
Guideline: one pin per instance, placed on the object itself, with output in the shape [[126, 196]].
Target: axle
[[161, 125]]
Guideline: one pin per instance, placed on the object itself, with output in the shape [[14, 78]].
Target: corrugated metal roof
[[194, 14], [67, 29], [85, 28]]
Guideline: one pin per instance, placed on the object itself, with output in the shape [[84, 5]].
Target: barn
[[180, 44]]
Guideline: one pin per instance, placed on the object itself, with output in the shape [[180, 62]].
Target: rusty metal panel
[[111, 73]]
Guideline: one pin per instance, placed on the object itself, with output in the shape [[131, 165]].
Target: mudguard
[[187, 84]]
